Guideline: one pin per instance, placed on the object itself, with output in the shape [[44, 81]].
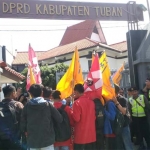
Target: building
[[7, 74], [87, 29], [87, 36], [21, 60]]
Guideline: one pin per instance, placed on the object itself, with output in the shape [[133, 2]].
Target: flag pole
[[73, 75]]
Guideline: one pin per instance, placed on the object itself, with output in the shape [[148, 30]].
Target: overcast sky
[[45, 40]]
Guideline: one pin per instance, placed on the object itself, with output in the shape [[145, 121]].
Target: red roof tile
[[121, 46], [19, 75], [80, 31], [84, 43], [22, 57], [4, 66]]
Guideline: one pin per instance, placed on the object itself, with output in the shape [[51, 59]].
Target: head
[[134, 92], [36, 90], [78, 90], [129, 92], [147, 82], [19, 91], [121, 92], [68, 99], [47, 92], [9, 92], [56, 95]]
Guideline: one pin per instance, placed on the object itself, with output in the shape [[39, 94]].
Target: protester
[[10, 120], [47, 93], [84, 117], [65, 145], [99, 123], [24, 98], [19, 92], [137, 106], [37, 120], [69, 101], [129, 93], [122, 105], [109, 115]]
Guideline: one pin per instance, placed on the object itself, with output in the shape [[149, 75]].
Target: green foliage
[[48, 75]]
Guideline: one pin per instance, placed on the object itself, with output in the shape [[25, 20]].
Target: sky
[[46, 40]]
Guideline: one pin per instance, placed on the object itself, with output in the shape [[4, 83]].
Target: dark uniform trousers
[[141, 130]]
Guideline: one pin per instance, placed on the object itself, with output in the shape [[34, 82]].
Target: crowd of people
[[40, 120]]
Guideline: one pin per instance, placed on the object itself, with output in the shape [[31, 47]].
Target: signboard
[[61, 10]]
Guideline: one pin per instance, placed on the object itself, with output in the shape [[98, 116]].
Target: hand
[[19, 105], [115, 100], [21, 98]]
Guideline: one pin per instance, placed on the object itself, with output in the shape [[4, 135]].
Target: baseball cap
[[133, 89]]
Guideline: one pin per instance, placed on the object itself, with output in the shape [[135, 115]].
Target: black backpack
[[62, 130], [118, 123], [99, 109], [8, 120]]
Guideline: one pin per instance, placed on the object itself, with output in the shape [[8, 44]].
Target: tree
[[48, 75]]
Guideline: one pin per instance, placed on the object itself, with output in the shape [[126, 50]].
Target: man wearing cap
[[137, 106], [146, 89]]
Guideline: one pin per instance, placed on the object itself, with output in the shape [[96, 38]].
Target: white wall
[[115, 64], [9, 57], [95, 37], [121, 61], [83, 63], [0, 53]]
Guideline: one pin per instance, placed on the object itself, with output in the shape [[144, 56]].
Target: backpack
[[118, 123], [62, 130], [99, 109], [8, 121]]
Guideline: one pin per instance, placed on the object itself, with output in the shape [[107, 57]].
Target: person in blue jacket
[[109, 115]]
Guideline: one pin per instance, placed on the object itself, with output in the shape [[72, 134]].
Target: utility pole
[[148, 8]]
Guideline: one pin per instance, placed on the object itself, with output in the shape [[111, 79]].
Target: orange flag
[[71, 77], [32, 79], [108, 89], [117, 76]]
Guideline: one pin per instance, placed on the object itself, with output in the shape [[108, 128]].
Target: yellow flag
[[108, 90], [117, 77], [32, 79], [71, 77]]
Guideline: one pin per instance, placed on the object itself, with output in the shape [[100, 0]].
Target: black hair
[[79, 88], [7, 90], [36, 90], [129, 89], [56, 94], [47, 91]]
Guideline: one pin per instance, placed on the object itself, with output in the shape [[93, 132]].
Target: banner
[[108, 90], [71, 77], [34, 74]]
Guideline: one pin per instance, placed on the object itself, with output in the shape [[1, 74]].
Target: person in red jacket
[[57, 104], [84, 118]]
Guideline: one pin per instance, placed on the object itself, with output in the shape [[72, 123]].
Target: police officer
[[137, 106]]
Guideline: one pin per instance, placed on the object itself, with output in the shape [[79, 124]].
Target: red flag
[[33, 64], [93, 84]]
